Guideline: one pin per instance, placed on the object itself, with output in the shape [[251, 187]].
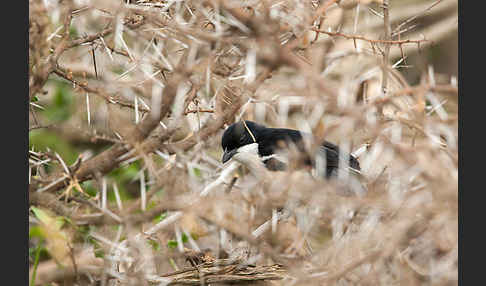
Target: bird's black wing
[[273, 139]]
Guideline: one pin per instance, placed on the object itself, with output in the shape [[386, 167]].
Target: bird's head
[[240, 137]]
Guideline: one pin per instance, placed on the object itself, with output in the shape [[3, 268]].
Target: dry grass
[[159, 80]]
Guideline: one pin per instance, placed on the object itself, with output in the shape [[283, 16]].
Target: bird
[[245, 139], [259, 147]]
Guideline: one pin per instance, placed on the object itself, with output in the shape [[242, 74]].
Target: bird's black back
[[273, 139], [270, 140]]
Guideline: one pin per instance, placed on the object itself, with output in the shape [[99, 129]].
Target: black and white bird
[[242, 140], [259, 147]]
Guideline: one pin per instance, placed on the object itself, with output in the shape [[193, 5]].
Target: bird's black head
[[238, 135]]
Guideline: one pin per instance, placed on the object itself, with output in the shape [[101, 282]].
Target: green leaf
[[99, 253], [44, 217], [171, 244], [194, 236], [197, 172], [155, 245], [184, 238], [35, 231], [160, 217]]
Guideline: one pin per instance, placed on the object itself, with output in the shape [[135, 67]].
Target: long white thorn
[[117, 197]]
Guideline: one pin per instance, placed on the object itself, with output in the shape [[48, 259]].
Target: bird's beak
[[228, 154]]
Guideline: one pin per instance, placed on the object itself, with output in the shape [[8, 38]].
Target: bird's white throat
[[250, 152], [248, 156]]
